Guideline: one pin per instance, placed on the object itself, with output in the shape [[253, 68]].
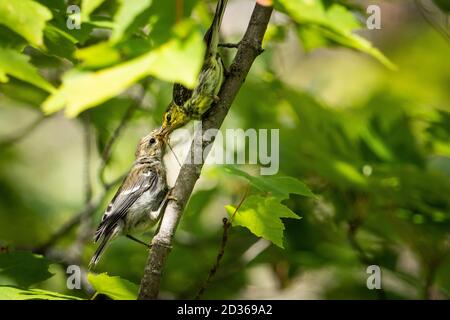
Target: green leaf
[[160, 21], [349, 173], [59, 43], [194, 212], [278, 186], [98, 55], [106, 117], [319, 24], [181, 59], [311, 37], [18, 65], [262, 216], [88, 6], [23, 92], [114, 287], [26, 18], [443, 4], [125, 16], [105, 54], [10, 39], [178, 60], [274, 33], [23, 268], [13, 293]]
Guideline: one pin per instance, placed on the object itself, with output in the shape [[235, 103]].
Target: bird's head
[[174, 117], [151, 145]]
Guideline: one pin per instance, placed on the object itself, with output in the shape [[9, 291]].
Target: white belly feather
[[139, 215]]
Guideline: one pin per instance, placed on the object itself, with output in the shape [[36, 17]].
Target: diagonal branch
[[226, 227], [249, 49], [106, 154], [22, 133]]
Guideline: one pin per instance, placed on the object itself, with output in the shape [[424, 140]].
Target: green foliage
[[88, 6], [12, 293], [179, 60], [443, 4], [23, 269], [19, 270], [276, 186], [114, 287], [262, 216], [372, 144], [17, 65], [25, 17], [126, 15], [319, 24], [59, 43]]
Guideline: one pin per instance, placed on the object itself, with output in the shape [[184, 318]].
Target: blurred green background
[[373, 144]]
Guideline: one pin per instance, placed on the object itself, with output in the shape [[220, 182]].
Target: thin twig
[[88, 210], [429, 280], [351, 235], [22, 133], [84, 230], [364, 259], [226, 227], [179, 10], [87, 158], [93, 205], [174, 154], [249, 49], [106, 154], [247, 257]]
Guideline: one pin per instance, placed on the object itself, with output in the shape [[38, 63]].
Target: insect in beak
[[164, 137]]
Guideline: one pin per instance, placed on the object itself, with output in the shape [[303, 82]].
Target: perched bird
[[192, 104], [135, 207]]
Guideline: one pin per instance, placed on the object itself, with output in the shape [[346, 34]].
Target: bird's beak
[[162, 135], [164, 132]]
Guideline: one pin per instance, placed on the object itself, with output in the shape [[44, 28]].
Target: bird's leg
[[162, 207], [215, 98], [170, 196], [149, 246], [230, 45]]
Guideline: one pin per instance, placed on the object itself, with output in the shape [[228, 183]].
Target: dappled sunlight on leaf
[[114, 287], [262, 216]]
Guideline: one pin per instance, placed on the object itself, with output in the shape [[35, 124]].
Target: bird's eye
[[168, 117], [152, 140]]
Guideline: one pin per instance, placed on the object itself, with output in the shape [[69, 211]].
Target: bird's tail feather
[[98, 253], [100, 231], [212, 35]]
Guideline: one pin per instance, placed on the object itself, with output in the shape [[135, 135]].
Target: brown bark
[[248, 49]]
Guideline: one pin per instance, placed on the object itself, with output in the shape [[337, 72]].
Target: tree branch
[[249, 49], [226, 227]]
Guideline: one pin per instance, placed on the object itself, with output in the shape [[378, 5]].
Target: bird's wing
[[134, 185], [180, 94], [212, 35]]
